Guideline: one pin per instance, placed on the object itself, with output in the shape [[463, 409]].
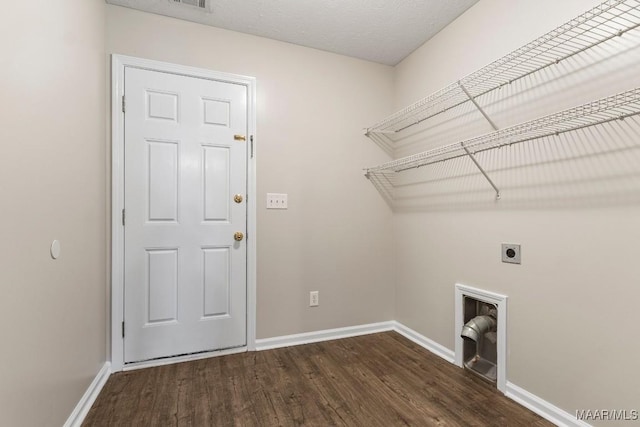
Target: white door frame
[[118, 64]]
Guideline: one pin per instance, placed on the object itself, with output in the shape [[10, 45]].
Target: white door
[[185, 161]]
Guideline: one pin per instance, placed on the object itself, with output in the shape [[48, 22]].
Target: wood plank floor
[[373, 380]]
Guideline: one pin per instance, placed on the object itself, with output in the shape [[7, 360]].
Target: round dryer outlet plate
[[511, 253]]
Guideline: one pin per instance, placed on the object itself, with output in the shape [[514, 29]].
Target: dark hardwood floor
[[373, 380]]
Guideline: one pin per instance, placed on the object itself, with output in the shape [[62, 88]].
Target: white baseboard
[[324, 335], [352, 331], [543, 408], [84, 405], [425, 342]]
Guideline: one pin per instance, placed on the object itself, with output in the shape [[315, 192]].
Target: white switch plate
[[276, 201]]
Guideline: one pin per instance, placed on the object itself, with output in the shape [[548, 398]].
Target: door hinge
[[251, 139], [123, 104], [122, 217], [122, 329]]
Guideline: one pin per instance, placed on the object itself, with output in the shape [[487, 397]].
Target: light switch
[[276, 201]]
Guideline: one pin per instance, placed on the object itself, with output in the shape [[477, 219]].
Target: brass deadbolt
[[238, 236], [238, 198]]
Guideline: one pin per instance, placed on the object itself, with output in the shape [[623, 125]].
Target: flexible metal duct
[[477, 327]]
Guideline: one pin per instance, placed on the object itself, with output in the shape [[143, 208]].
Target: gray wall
[[571, 201], [335, 236], [52, 184]]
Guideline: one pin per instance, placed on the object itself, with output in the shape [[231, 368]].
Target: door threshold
[[185, 358]]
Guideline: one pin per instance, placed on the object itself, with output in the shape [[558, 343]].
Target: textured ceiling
[[383, 31]]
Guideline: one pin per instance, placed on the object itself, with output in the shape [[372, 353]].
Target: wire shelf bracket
[[473, 100], [473, 158], [469, 153]]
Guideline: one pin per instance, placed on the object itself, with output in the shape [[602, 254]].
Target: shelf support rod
[[469, 153], [473, 158], [472, 99]]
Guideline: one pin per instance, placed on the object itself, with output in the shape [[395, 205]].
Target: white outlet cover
[[314, 299], [277, 201]]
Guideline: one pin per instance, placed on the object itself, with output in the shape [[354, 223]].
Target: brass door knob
[[238, 198], [238, 236]]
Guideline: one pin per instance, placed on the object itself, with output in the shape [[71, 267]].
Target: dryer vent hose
[[478, 326]]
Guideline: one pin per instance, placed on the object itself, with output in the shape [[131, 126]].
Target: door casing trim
[[118, 65]]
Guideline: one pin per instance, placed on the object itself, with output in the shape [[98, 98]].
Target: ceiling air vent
[[200, 4]]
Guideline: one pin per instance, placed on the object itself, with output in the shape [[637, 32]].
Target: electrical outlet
[[314, 299], [511, 253], [277, 201]]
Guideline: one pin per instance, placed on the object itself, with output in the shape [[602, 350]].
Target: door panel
[[162, 185], [185, 275], [217, 199], [216, 282], [162, 284], [216, 112]]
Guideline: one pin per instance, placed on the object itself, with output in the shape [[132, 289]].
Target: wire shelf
[[610, 19], [616, 107]]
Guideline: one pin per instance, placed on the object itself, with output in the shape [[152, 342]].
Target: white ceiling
[[383, 31]]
